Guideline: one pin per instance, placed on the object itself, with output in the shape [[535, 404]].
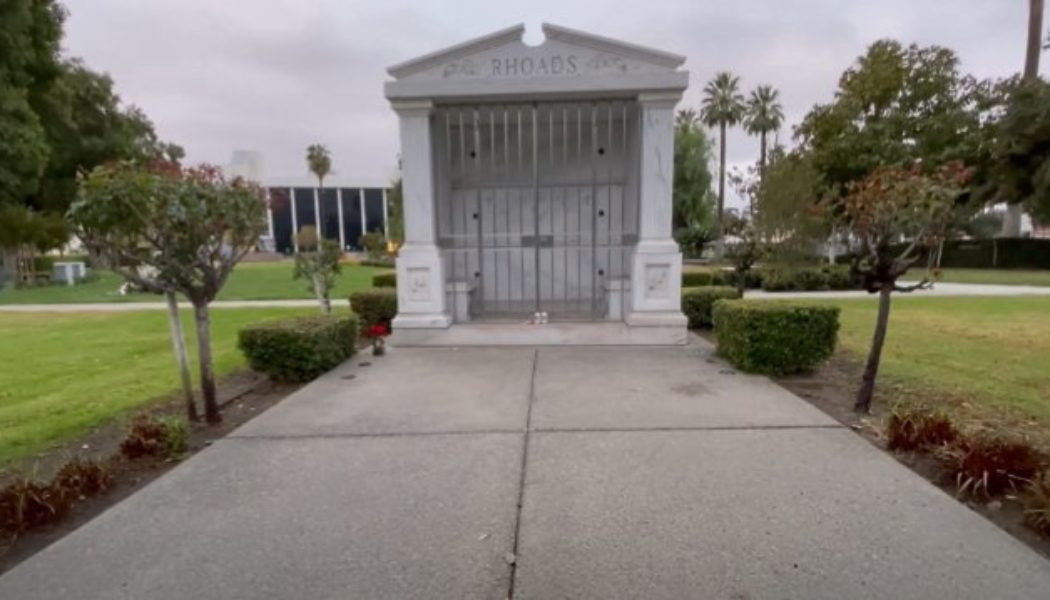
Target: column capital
[[412, 108], [663, 99]]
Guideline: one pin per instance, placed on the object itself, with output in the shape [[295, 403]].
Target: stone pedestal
[[420, 280]]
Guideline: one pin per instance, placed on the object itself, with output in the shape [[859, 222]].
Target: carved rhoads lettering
[[527, 66]]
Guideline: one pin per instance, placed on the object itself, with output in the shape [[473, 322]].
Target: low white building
[[342, 211]]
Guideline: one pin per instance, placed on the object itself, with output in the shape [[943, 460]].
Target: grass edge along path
[[67, 373]]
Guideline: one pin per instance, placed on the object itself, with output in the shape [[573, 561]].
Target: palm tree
[[319, 161], [722, 106], [763, 115]]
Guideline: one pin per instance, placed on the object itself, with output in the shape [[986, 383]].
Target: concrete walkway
[[537, 473], [941, 289]]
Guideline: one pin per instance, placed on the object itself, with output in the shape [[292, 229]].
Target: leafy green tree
[[763, 115], [747, 245], [692, 205], [1012, 219], [787, 203], [57, 117], [189, 227], [722, 107], [25, 233], [30, 33], [890, 204], [1019, 171], [895, 106], [318, 262]]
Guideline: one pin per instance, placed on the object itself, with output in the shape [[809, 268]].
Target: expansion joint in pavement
[[521, 480], [385, 434], [674, 429], [525, 432]]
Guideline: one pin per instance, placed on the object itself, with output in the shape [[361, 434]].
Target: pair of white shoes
[[539, 318]]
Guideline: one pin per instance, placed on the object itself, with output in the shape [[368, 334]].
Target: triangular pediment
[[564, 54]]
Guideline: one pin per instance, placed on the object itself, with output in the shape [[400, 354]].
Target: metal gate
[[539, 207]]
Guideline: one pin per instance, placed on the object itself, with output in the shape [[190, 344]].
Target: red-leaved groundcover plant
[[376, 333]]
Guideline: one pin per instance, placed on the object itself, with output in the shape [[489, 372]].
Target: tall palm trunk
[[761, 165], [871, 368], [761, 154], [721, 186], [1012, 220], [1035, 33]]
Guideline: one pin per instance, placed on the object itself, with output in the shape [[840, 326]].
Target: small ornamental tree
[[189, 226], [318, 263], [744, 247], [889, 205]]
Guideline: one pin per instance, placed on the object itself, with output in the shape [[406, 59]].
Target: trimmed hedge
[[996, 253], [375, 306], [808, 279], [698, 301], [384, 263], [696, 278], [752, 279], [384, 280], [775, 338], [298, 349], [720, 276]]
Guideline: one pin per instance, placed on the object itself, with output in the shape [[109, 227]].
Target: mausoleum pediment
[[567, 60]]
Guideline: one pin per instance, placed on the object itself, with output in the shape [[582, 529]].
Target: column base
[[657, 319]]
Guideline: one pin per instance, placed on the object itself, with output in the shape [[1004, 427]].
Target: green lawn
[[249, 281], [992, 352], [64, 373], [996, 276]]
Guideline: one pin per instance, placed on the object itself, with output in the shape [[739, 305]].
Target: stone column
[[420, 280], [656, 273]]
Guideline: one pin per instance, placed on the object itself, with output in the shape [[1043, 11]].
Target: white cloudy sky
[[277, 75]]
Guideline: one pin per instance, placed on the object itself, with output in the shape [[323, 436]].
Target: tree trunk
[[322, 297], [179, 345], [871, 368], [211, 403], [721, 187]]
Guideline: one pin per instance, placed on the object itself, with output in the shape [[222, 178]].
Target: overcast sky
[[277, 75]]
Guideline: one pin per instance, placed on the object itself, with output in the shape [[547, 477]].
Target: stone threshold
[[550, 334]]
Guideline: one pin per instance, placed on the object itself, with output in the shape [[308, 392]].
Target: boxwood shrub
[[384, 280], [841, 278], [375, 306], [696, 278], [300, 348], [752, 279], [720, 276], [697, 303], [775, 338], [808, 279]]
